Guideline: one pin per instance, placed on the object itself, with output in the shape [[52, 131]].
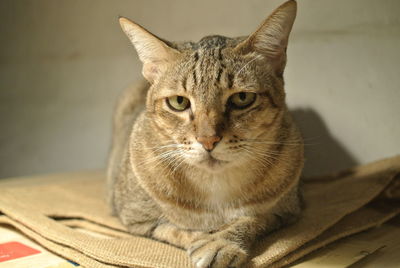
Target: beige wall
[[62, 64]]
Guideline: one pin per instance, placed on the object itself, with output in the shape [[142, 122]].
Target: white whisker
[[244, 66]]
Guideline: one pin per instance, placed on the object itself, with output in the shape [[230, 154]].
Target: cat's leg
[[227, 247], [230, 245], [165, 232], [142, 216], [174, 235]]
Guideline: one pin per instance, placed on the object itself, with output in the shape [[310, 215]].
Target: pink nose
[[208, 143]]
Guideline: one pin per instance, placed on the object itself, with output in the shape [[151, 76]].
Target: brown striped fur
[[163, 184]]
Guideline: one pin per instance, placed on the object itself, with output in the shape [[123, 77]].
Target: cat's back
[[130, 104]]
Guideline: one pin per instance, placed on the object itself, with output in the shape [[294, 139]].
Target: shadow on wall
[[323, 153]]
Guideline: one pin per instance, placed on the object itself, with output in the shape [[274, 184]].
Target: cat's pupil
[[179, 99], [242, 96]]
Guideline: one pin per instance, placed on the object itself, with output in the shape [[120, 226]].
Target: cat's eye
[[178, 103], [242, 100]]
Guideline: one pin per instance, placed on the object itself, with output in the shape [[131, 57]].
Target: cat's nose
[[208, 142]]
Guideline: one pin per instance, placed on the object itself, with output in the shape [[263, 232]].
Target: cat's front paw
[[213, 252]]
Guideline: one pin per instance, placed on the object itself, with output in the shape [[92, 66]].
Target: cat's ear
[[154, 53], [271, 38]]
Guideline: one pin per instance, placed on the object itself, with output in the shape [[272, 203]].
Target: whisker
[[250, 61], [262, 151], [266, 155], [158, 148], [180, 163], [288, 142], [161, 156], [258, 159]]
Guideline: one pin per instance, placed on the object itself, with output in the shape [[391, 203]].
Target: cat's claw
[[218, 253]]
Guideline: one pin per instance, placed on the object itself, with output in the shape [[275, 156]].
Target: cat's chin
[[212, 164]]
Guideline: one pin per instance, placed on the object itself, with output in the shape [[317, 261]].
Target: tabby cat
[[205, 155]]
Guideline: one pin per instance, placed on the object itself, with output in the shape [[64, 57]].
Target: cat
[[205, 155]]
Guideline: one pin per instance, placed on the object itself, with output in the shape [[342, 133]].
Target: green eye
[[242, 100], [178, 103]]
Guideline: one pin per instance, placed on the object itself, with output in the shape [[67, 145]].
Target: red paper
[[15, 250]]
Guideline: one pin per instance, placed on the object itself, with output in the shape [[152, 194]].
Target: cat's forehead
[[210, 42], [210, 66]]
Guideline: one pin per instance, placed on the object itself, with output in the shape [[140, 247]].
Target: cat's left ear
[[154, 53], [270, 40]]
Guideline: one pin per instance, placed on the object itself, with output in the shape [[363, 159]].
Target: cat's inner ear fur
[[271, 38], [154, 53]]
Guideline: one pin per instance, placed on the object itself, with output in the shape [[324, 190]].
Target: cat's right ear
[[154, 53]]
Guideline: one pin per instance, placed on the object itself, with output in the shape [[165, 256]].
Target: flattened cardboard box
[[336, 206]]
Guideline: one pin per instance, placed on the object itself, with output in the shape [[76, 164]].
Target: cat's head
[[218, 101]]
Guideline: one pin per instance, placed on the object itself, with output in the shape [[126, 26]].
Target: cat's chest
[[219, 202], [221, 193], [211, 215]]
